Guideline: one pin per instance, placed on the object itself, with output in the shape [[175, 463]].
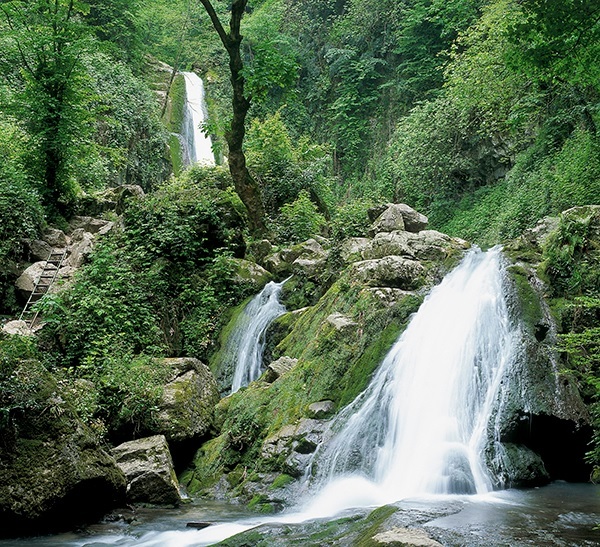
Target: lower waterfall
[[247, 342], [423, 423]]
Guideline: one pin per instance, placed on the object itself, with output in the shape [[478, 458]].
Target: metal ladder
[[45, 281]]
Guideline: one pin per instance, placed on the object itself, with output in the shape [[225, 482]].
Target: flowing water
[[423, 423], [247, 342], [196, 146], [416, 437]]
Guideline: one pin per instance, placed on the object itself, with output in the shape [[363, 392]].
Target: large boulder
[[148, 466], [390, 271], [55, 238], [53, 471], [28, 279], [38, 249], [81, 248], [89, 224], [425, 245], [251, 272], [399, 216], [187, 407]]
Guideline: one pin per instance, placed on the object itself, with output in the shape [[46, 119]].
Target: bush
[[300, 220], [351, 219]]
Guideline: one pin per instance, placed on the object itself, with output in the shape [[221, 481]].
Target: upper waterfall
[[196, 146], [248, 339]]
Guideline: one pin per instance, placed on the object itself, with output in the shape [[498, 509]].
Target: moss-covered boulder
[[53, 471], [186, 410]]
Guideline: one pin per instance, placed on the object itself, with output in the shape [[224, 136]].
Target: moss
[[530, 305], [176, 154], [176, 104], [281, 481], [374, 521]]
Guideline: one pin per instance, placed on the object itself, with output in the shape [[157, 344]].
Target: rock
[[278, 368], [28, 279], [88, 224], [83, 245], [310, 250], [187, 407], [405, 537], [53, 471], [340, 322], [376, 210], [391, 271], [388, 296], [148, 467], [321, 409], [295, 443], [251, 272], [55, 238], [399, 216], [351, 249], [387, 244], [311, 268], [524, 468], [259, 250], [18, 328], [38, 249]]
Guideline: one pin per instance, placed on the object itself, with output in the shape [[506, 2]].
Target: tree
[[43, 43], [245, 185]]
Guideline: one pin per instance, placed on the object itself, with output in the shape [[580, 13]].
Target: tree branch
[[216, 23]]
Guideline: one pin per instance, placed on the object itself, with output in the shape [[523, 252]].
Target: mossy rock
[[53, 472]]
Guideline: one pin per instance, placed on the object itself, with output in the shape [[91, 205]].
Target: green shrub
[[351, 219], [300, 219]]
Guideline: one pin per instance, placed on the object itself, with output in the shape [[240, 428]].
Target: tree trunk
[[245, 186]]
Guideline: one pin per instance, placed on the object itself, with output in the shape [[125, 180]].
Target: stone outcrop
[[53, 472], [27, 280], [399, 216], [308, 257], [148, 467], [187, 407], [251, 272], [405, 537], [390, 271], [278, 368], [294, 444]]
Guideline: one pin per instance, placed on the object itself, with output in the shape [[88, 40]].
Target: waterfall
[[247, 342], [421, 426], [196, 146]]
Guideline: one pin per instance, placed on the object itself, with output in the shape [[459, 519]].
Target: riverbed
[[560, 514]]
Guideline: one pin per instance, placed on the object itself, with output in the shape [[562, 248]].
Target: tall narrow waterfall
[[248, 339], [422, 424], [196, 146]]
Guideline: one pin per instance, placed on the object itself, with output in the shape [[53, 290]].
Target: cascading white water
[[248, 339], [422, 424], [196, 146], [424, 421]]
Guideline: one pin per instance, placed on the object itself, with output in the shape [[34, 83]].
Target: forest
[[480, 114]]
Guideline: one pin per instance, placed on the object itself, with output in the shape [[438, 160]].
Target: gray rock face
[[253, 273], [188, 401], [399, 216], [321, 409], [341, 323], [405, 537], [88, 224], [352, 249], [279, 367], [426, 245], [148, 467], [18, 328], [82, 246], [38, 249], [295, 443], [390, 271], [55, 238]]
